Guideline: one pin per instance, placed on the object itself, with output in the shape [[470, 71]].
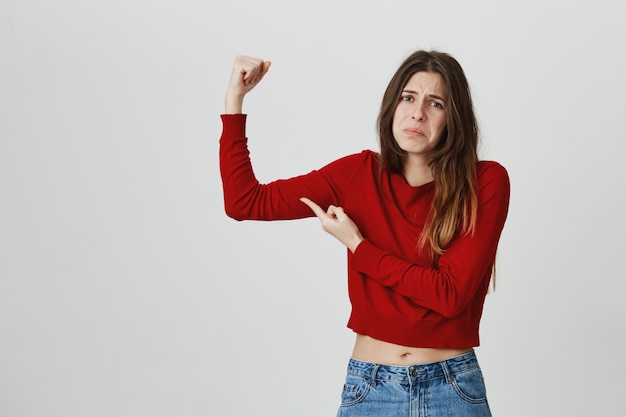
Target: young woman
[[421, 221]]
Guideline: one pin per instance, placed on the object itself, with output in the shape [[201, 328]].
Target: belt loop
[[446, 372], [373, 376]]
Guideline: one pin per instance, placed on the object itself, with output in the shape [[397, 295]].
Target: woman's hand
[[336, 222], [246, 74]]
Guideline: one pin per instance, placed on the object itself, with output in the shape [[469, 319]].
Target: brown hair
[[453, 161]]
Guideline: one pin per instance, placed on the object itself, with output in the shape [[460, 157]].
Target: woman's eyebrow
[[435, 96]]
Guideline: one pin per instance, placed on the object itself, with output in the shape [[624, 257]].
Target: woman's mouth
[[414, 132]]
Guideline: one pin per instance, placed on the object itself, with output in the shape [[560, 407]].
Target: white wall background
[[126, 291]]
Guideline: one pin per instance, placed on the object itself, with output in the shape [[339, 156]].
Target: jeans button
[[413, 373]]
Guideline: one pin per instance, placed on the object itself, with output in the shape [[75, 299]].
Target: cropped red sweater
[[397, 295]]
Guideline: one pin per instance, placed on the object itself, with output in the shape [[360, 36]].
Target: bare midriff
[[367, 349]]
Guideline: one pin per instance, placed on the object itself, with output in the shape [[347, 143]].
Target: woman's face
[[420, 117]]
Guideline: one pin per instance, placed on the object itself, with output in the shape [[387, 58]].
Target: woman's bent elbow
[[234, 213]]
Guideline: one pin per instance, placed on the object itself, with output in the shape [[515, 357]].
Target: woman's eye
[[436, 104], [406, 98]]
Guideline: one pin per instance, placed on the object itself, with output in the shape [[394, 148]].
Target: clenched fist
[[246, 74]]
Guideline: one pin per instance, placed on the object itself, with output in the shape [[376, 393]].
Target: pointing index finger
[[313, 206]]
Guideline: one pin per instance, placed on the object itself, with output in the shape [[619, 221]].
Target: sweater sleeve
[[449, 288], [246, 199]]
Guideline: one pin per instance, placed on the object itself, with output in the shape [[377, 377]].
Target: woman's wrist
[[355, 243], [233, 104]]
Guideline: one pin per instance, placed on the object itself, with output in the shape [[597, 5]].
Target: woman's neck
[[417, 172]]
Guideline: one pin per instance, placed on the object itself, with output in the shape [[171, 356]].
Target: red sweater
[[396, 294]]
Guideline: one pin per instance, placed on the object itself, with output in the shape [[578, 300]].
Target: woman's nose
[[418, 113]]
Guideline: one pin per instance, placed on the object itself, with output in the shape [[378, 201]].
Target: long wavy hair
[[454, 159]]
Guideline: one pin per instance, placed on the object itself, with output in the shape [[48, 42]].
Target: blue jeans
[[450, 388]]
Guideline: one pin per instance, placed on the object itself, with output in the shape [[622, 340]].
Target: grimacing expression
[[420, 117]]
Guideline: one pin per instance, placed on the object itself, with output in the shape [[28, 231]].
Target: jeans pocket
[[470, 386], [355, 390]]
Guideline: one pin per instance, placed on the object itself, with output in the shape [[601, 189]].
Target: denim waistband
[[414, 373]]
